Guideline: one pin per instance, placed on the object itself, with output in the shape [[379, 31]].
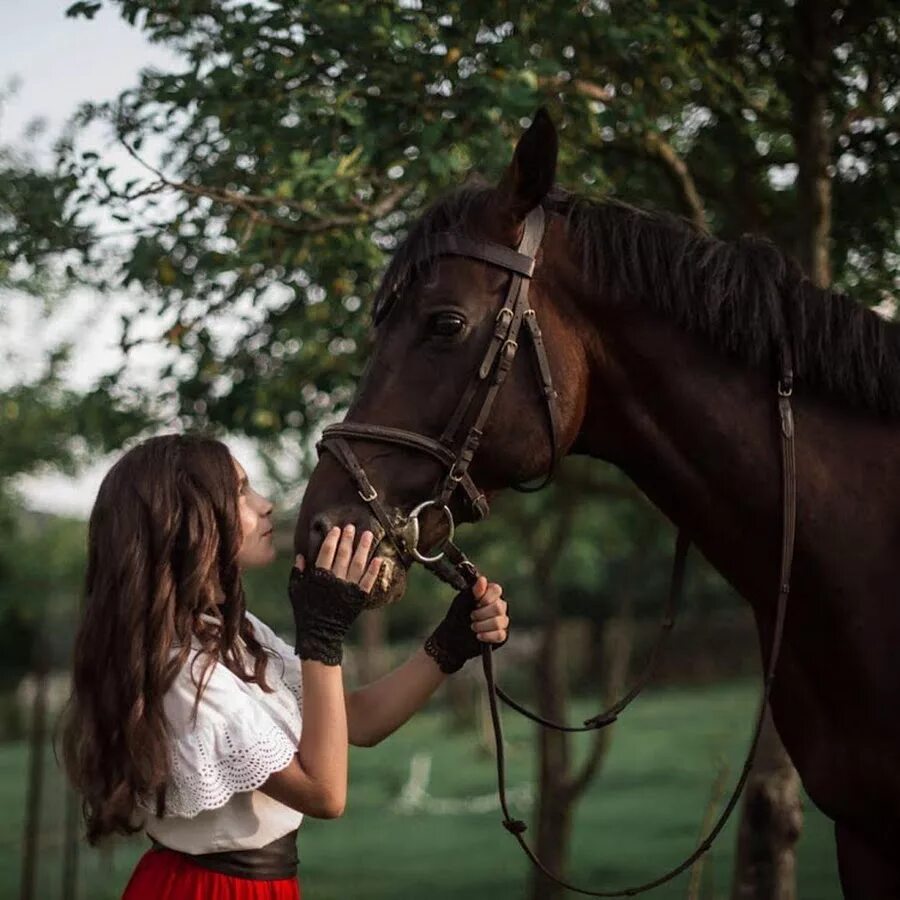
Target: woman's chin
[[262, 556]]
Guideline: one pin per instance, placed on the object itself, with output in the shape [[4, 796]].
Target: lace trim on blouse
[[203, 778], [238, 740]]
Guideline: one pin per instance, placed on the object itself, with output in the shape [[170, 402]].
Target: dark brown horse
[[663, 347]]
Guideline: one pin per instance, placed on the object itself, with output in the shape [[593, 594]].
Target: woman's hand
[[476, 617], [489, 619], [336, 555], [327, 599]]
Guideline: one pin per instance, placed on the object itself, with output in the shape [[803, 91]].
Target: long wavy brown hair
[[163, 541]]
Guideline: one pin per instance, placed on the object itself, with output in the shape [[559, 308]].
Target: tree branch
[[658, 147], [580, 86], [251, 203]]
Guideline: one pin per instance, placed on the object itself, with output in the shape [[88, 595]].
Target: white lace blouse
[[241, 736]]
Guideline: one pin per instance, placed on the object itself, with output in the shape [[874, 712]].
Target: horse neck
[[697, 434]]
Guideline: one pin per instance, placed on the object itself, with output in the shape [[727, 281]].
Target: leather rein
[[455, 454]]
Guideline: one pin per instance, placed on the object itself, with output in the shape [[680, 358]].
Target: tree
[[42, 422], [300, 139], [44, 250]]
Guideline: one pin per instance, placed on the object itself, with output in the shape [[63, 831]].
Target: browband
[[446, 243]]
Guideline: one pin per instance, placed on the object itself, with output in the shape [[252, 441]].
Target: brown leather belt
[[273, 861]]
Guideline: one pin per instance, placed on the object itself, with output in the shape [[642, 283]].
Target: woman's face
[[257, 548]]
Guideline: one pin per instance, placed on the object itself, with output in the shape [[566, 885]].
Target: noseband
[[455, 453]]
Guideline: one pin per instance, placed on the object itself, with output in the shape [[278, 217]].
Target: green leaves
[[300, 139], [83, 8]]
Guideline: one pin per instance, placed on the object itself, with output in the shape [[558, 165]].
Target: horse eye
[[446, 324]]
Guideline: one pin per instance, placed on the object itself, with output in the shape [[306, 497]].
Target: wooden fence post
[[36, 741]]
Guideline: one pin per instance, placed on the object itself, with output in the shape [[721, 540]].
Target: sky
[[62, 62]]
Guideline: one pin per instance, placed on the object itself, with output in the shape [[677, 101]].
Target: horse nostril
[[321, 525]]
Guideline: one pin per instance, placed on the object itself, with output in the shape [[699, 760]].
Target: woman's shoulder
[[225, 695], [268, 637], [286, 665]]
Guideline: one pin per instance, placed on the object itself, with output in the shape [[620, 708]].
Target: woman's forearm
[[315, 781], [322, 752], [380, 708]]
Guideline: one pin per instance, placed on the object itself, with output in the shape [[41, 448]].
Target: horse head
[[439, 338]]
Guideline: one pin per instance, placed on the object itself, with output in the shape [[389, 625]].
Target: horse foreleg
[[867, 871]]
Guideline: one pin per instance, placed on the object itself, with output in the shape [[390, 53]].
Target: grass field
[[641, 815]]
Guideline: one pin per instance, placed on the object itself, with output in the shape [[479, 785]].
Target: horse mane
[[737, 295]]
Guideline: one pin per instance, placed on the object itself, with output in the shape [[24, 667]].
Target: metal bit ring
[[413, 524]]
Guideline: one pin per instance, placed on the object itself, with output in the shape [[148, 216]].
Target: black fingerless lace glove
[[453, 642], [324, 607]]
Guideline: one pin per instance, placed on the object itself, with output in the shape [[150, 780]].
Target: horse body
[[698, 435], [689, 413]]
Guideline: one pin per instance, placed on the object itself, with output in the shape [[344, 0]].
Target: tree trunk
[[772, 814], [812, 137], [35, 787], [771, 822], [554, 804], [560, 787]]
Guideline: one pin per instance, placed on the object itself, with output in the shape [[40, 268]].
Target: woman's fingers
[[492, 637], [299, 562], [338, 556], [490, 597], [497, 608], [344, 552], [360, 559], [497, 623], [325, 559], [367, 582], [489, 619]]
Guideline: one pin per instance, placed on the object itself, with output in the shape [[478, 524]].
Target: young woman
[[189, 717]]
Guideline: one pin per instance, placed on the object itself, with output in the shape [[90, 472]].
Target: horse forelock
[[458, 212]]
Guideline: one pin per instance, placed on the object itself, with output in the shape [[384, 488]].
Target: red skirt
[[164, 875]]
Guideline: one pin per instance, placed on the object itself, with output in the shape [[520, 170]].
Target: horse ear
[[532, 171]]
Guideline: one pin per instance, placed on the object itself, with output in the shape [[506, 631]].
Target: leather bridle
[[454, 450], [456, 454]]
